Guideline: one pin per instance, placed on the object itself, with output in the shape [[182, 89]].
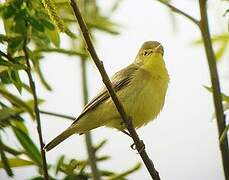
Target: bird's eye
[[145, 53]]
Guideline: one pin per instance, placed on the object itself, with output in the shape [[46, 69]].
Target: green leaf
[[224, 96], [126, 173], [6, 113], [59, 163], [11, 150], [5, 162], [100, 145], [224, 134], [53, 36], [17, 101], [15, 78], [8, 12], [30, 148], [17, 162], [20, 125], [48, 24], [35, 23]]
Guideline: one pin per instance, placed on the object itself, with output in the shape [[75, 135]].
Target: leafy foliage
[[37, 24]]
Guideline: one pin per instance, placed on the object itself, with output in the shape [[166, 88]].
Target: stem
[[58, 115], [36, 109], [88, 139], [176, 10], [221, 124], [127, 120]]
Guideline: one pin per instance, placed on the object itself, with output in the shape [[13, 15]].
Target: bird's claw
[[142, 147]]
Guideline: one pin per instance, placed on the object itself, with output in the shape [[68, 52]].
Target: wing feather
[[119, 81]]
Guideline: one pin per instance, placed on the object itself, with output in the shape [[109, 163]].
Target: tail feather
[[64, 135]]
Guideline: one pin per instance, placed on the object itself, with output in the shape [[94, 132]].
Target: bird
[[141, 88]]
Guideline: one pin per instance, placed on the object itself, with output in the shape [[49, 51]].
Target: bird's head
[[148, 49]]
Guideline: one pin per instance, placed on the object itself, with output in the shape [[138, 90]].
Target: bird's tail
[[64, 135]]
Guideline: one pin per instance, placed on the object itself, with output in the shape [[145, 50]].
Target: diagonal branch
[[176, 10], [127, 120]]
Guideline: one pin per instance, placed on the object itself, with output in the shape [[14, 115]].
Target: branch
[[128, 122], [176, 10], [90, 149], [60, 50], [58, 115], [37, 114], [221, 124]]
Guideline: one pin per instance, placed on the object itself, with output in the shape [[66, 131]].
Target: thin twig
[[221, 124], [127, 120], [60, 50], [88, 139], [36, 109], [176, 10], [57, 115]]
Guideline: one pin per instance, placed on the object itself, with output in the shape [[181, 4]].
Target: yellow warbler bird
[[141, 87]]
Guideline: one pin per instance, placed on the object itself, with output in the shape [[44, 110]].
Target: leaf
[[48, 24], [30, 148], [6, 113], [5, 162], [17, 101], [59, 163], [100, 145], [126, 173], [17, 162], [53, 36], [224, 134], [35, 23], [11, 150], [20, 125], [15, 78], [224, 96]]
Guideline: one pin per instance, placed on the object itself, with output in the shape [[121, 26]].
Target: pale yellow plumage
[[141, 88]]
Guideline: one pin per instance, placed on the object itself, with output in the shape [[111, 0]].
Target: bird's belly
[[149, 103], [142, 103]]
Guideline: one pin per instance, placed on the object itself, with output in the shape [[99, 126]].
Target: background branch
[[221, 124], [36, 109], [148, 162], [58, 115], [206, 37], [176, 10], [88, 138]]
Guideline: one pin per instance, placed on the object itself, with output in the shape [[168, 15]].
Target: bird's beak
[[159, 49]]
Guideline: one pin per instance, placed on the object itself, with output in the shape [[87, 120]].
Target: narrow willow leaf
[[224, 134], [15, 100], [224, 96], [20, 125], [17, 162], [41, 76], [5, 162], [126, 173], [35, 23], [53, 36], [6, 113], [222, 49], [59, 163], [15, 78], [11, 150], [28, 145], [100, 145]]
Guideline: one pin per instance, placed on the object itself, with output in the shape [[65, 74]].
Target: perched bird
[[141, 87]]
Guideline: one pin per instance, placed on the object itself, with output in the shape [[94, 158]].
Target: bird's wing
[[119, 81]]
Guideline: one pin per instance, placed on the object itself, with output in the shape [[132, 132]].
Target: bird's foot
[[141, 147], [127, 133]]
